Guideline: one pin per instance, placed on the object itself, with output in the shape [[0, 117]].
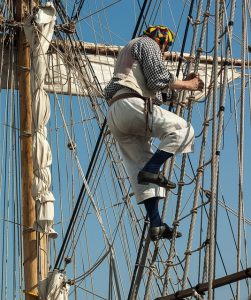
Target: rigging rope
[[214, 161], [79, 200], [180, 188], [241, 141], [199, 171], [136, 29]]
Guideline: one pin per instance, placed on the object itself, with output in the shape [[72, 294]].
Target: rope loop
[[199, 50], [197, 22], [152, 267], [208, 194], [169, 263], [26, 134], [200, 169], [196, 295], [206, 123], [207, 14], [30, 293], [191, 98], [194, 210], [71, 281], [71, 145], [188, 252], [190, 20], [182, 103], [68, 27], [207, 241]]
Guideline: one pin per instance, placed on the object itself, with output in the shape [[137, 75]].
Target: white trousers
[[127, 121]]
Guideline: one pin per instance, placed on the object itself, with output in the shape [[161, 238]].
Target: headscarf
[[162, 35]]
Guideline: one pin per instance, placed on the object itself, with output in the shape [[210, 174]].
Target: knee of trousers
[[178, 141], [186, 139]]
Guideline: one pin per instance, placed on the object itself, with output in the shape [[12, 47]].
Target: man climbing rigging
[[135, 118]]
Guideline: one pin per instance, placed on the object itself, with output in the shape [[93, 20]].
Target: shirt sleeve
[[147, 52]]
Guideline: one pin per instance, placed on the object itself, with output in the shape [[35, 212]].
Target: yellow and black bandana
[[162, 35]]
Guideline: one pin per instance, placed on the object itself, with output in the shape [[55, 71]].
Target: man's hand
[[190, 76], [192, 82]]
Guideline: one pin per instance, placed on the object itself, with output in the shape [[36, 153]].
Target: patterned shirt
[[147, 52]]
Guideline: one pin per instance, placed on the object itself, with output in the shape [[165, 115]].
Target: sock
[[158, 158], [152, 209]]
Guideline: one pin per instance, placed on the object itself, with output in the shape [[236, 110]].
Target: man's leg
[[176, 136], [158, 230], [157, 160], [150, 172], [151, 206]]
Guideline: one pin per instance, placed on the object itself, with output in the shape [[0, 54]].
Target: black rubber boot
[[162, 232], [145, 178]]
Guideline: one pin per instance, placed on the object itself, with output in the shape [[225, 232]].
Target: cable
[[79, 200], [185, 38], [135, 32]]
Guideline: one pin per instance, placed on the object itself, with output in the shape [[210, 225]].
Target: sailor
[[135, 118]]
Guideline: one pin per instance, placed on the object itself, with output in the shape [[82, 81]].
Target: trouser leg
[[156, 161], [151, 206], [175, 134]]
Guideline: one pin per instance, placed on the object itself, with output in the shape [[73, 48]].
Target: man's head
[[162, 35]]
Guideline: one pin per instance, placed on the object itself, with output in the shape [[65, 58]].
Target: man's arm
[[147, 52], [191, 83], [158, 78]]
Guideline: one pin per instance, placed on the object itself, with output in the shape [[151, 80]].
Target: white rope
[[213, 163], [241, 143]]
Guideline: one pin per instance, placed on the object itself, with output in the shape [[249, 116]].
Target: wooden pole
[[112, 51], [28, 204], [203, 287]]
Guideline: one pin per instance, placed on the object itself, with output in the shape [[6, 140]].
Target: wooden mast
[[30, 260]]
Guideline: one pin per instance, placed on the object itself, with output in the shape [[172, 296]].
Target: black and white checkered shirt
[[147, 52]]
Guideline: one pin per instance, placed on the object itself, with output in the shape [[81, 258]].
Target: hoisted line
[[203, 287], [92, 293], [79, 200], [210, 250], [77, 229], [61, 11], [179, 112], [200, 175], [137, 262], [185, 38], [241, 145], [189, 17], [85, 182], [97, 11], [157, 10], [78, 10], [135, 32], [91, 270], [147, 10]]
